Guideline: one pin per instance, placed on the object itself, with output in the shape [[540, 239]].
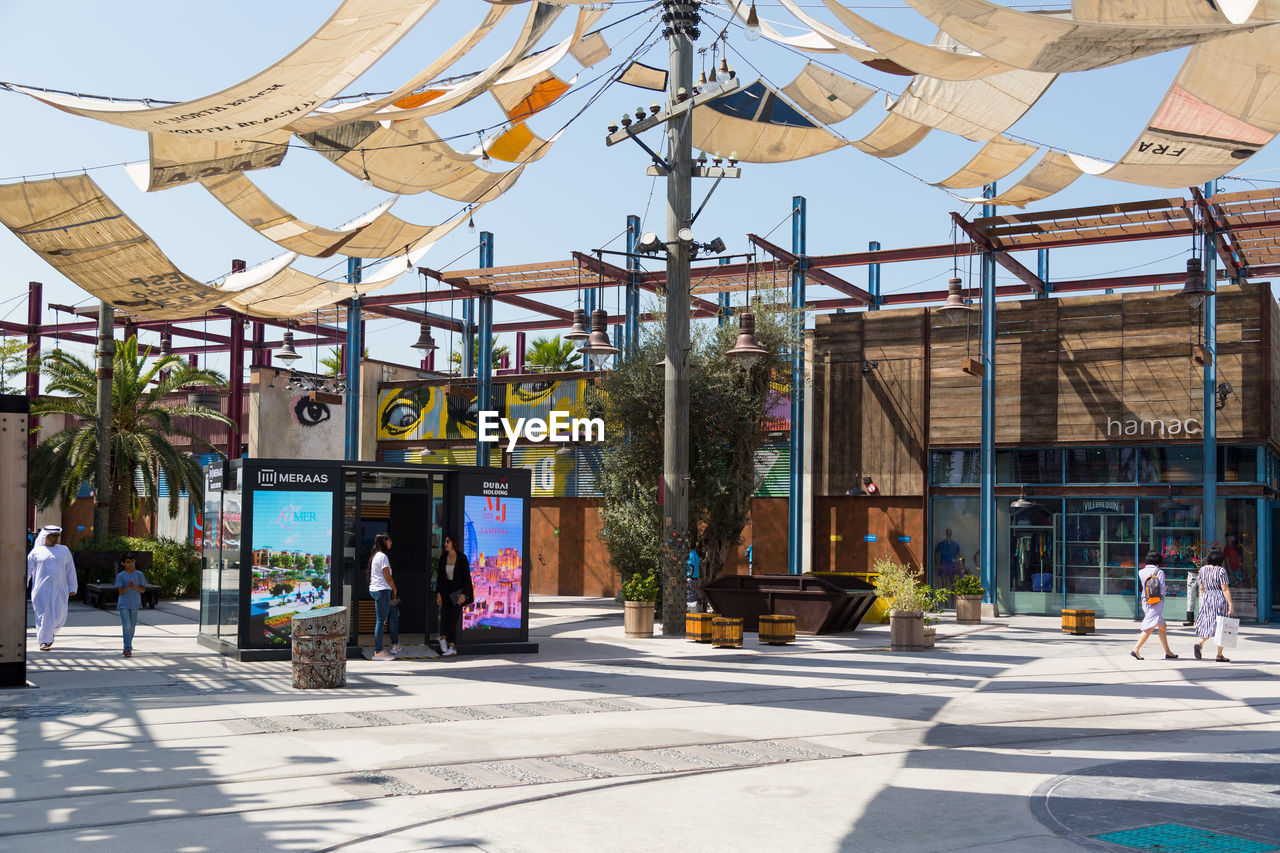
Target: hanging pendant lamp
[[746, 350], [425, 341], [955, 309], [598, 348], [579, 331], [287, 352], [1195, 289]]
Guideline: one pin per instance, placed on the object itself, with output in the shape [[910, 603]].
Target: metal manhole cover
[[1175, 838]]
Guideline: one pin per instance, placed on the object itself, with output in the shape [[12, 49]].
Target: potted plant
[[638, 596], [912, 602], [968, 590]]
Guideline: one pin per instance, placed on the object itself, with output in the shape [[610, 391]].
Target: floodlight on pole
[[649, 243]]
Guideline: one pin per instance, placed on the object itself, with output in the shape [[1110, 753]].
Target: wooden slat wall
[[1064, 366]]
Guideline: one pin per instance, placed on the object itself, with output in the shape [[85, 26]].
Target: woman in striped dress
[[1215, 600]]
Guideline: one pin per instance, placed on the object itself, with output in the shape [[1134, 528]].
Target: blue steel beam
[[1042, 272], [987, 515], [795, 503], [1208, 251], [631, 309], [484, 386], [355, 348], [873, 278]]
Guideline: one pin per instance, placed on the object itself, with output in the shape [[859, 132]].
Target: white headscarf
[[44, 535]]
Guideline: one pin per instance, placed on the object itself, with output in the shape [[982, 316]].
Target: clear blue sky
[[577, 197]]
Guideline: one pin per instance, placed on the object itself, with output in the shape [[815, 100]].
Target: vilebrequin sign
[[560, 428]]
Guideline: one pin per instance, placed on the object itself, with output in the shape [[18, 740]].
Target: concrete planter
[[968, 609], [907, 631], [637, 618]]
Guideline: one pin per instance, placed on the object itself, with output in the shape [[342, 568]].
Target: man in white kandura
[[52, 574]]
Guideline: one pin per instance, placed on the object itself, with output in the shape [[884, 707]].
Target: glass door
[[1101, 539]]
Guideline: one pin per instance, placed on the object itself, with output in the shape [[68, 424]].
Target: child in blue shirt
[[130, 584]]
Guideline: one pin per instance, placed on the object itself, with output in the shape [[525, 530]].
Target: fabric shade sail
[[942, 63], [850, 47], [759, 126], [176, 160], [407, 158], [289, 292], [355, 110], [998, 158], [377, 234], [825, 95], [1054, 173], [523, 98], [1221, 109], [644, 77], [353, 39], [1055, 44], [894, 135], [81, 232], [1173, 13]]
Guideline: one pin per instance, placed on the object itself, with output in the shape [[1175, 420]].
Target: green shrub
[[897, 583], [641, 586], [175, 566], [968, 584]]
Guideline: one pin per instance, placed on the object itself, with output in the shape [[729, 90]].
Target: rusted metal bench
[[821, 605]]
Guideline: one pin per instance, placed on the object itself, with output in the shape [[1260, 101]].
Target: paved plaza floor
[[1009, 736]]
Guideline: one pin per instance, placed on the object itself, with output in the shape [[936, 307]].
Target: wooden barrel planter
[[697, 627], [726, 632], [320, 649], [1078, 622], [637, 619], [777, 629]]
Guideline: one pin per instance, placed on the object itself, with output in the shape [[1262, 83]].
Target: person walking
[[51, 571], [1215, 600], [454, 591], [1151, 586], [130, 585], [386, 598]]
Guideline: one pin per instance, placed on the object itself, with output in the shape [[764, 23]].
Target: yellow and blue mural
[[428, 413]]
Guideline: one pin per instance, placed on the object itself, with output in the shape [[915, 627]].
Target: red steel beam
[[984, 241], [820, 276]]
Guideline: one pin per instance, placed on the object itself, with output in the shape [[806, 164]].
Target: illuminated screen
[[493, 540], [292, 560]]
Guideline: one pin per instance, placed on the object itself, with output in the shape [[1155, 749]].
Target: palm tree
[[499, 351], [141, 425], [332, 362], [553, 355]]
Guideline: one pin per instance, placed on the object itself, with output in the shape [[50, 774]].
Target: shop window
[[1170, 464], [1029, 466], [1032, 547], [954, 467], [1237, 464], [1100, 464], [954, 545], [1175, 536], [1238, 527]]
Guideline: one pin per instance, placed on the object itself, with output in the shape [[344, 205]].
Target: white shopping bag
[[1228, 630]]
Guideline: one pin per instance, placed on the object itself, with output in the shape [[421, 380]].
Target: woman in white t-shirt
[[1152, 591], [382, 589]]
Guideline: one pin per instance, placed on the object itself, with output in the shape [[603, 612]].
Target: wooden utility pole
[[681, 19]]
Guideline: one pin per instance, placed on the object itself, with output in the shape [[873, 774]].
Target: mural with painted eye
[[401, 413], [308, 413]]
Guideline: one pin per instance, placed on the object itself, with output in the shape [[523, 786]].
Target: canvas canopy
[[1174, 12], [850, 47], [759, 125], [894, 135], [377, 234], [1052, 174], [1220, 110], [945, 64], [644, 77], [81, 232], [345, 46], [998, 158], [1055, 44], [825, 95], [177, 160]]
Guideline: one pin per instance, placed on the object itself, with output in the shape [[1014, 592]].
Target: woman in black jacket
[[453, 592]]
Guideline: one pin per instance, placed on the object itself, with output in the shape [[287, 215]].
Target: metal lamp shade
[[1023, 503], [579, 331], [1195, 289], [746, 350], [954, 309], [597, 347], [425, 341], [287, 352]]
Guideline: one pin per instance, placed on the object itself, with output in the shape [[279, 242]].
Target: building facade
[[1099, 422]]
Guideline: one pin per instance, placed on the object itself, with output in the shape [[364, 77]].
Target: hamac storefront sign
[[1154, 427]]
